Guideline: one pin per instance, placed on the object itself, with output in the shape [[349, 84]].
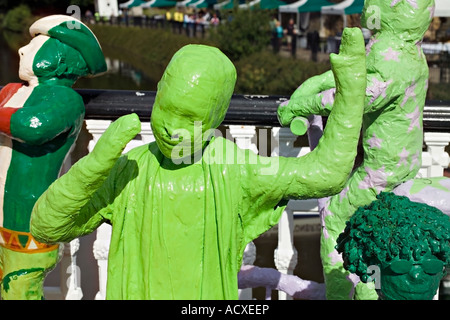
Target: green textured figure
[[184, 208], [392, 136], [403, 246], [39, 122]]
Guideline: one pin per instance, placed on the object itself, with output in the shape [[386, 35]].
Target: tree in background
[[17, 18], [45, 6], [242, 33]]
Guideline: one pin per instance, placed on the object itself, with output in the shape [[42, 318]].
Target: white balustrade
[[434, 160], [70, 278]]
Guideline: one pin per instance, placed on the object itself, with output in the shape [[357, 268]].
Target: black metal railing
[[256, 110]]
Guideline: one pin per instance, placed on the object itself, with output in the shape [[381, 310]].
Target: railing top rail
[[257, 110]]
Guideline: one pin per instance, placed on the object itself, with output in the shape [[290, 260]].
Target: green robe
[[240, 202]]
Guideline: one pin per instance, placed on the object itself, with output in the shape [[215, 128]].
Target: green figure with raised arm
[[40, 120], [183, 208]]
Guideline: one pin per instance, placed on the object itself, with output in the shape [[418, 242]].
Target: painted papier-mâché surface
[[183, 208], [401, 245], [392, 135], [39, 121]]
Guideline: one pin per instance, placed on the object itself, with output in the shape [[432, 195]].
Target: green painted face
[[192, 99], [408, 280]]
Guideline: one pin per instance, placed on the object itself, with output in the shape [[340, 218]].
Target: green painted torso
[[38, 151]]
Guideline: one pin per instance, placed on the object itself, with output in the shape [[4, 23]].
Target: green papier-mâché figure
[[392, 134], [40, 120], [183, 208], [401, 245]]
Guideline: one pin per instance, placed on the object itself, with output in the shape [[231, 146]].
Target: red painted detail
[[5, 119], [8, 91]]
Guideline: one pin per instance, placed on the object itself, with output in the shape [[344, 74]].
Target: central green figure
[[183, 208]]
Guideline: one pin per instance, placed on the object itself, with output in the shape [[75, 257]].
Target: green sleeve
[[48, 112], [315, 85], [82, 199], [309, 99]]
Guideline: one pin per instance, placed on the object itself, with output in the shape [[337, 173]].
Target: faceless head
[[192, 99]]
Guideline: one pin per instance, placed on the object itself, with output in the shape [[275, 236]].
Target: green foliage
[[18, 18], [266, 73], [149, 50], [45, 5], [242, 33], [261, 72]]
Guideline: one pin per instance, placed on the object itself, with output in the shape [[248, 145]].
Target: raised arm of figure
[[324, 171], [65, 211]]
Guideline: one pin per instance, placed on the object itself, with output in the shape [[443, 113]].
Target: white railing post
[[248, 259], [69, 280], [73, 282], [285, 255], [243, 137], [101, 250], [435, 159], [103, 234]]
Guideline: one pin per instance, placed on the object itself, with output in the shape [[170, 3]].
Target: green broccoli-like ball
[[393, 227]]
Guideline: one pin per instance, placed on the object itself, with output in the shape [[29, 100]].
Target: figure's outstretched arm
[[70, 207], [316, 84], [324, 171]]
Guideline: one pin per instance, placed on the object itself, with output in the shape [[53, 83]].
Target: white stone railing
[[435, 159]]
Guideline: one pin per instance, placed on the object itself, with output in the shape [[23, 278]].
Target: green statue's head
[[406, 19], [192, 99], [62, 49], [403, 246]]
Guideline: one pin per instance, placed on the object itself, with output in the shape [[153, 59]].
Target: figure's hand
[[285, 113], [114, 140], [349, 65]]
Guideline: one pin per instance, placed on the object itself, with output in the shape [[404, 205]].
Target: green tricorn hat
[[75, 34]]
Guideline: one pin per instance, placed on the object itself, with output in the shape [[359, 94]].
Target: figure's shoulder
[[143, 152], [221, 143], [62, 93]]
